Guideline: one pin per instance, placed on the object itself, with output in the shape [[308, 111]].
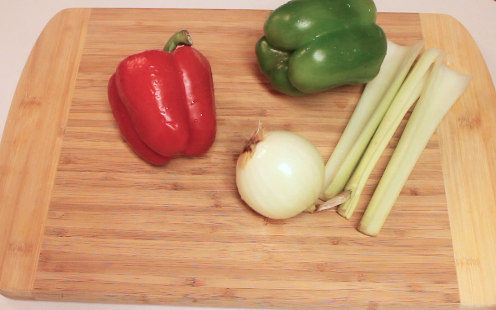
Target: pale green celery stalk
[[370, 109], [443, 88], [407, 95]]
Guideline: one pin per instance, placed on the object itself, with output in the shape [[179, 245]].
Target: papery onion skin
[[280, 175]]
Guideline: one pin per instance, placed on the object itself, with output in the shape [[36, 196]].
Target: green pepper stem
[[179, 38]]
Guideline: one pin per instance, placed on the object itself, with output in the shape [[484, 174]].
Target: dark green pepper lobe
[[274, 64], [335, 59], [299, 21], [311, 46]]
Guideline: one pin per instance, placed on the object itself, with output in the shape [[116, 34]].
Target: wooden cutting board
[[83, 219]]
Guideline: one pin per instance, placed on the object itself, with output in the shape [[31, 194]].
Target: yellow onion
[[280, 174]]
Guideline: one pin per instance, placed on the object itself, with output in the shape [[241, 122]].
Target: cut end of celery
[[342, 212], [311, 209], [364, 229], [334, 190], [346, 209]]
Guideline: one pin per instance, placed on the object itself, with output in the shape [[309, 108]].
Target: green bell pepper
[[311, 46]]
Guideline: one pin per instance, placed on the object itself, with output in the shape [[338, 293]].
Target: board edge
[[26, 190], [467, 158]]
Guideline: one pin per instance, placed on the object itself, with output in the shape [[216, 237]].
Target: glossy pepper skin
[[311, 46], [163, 101]]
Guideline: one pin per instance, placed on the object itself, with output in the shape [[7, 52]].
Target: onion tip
[[335, 201], [255, 138]]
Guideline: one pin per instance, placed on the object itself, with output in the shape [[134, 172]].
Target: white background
[[21, 21]]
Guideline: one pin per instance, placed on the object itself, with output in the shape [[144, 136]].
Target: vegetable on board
[[443, 88], [311, 46], [400, 84], [373, 104], [280, 174], [163, 101], [405, 97]]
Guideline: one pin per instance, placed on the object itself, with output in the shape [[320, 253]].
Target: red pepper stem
[[179, 38]]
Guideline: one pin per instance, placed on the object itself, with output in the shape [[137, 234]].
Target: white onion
[[280, 174]]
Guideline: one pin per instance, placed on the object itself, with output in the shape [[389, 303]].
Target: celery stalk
[[443, 88], [376, 98], [407, 95]]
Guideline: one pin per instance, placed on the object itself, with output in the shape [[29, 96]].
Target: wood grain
[[31, 145], [115, 229], [468, 149]]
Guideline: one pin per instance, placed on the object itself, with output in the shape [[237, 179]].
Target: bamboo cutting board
[[83, 219]]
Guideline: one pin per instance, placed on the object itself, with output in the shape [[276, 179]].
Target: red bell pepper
[[163, 101]]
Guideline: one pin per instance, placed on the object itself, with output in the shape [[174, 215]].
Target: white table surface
[[21, 21]]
